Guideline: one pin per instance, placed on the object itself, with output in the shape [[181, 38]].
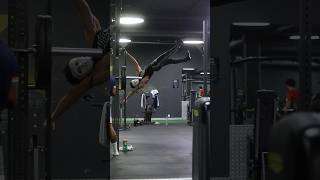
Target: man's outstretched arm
[[130, 93], [135, 63], [76, 93], [70, 98]]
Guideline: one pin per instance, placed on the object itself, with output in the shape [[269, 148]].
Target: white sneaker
[[115, 153]]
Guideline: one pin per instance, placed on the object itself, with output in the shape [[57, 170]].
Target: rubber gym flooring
[[160, 151]]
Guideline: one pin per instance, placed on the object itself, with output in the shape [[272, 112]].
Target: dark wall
[[170, 98]]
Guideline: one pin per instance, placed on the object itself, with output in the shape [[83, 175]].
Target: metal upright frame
[[18, 135], [305, 57]]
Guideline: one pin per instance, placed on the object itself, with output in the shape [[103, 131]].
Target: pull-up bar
[[62, 51], [152, 42], [239, 61]]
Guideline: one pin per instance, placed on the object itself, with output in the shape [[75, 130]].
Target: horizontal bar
[[315, 66], [150, 42], [28, 50], [268, 58], [131, 77], [62, 51], [77, 51]]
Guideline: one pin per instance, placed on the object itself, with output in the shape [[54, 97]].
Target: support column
[[305, 64], [206, 54], [252, 74]]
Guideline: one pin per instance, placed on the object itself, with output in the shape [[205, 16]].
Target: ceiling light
[[127, 20], [124, 40], [297, 37], [315, 37], [256, 24], [193, 42], [188, 69], [203, 73]]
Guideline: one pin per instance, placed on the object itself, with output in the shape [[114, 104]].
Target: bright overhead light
[[124, 40], [297, 37], [127, 20], [315, 37], [256, 24], [188, 69], [203, 73], [193, 42]]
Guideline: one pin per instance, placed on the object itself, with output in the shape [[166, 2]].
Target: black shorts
[[148, 71], [102, 40]]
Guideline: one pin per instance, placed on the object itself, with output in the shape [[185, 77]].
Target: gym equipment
[[62, 51], [240, 156], [43, 50], [116, 10], [3, 141], [201, 164], [17, 136], [205, 52], [154, 43], [241, 107], [265, 118], [223, 2], [305, 57], [294, 148], [26, 133], [239, 61], [124, 88], [192, 102], [315, 103], [191, 79]]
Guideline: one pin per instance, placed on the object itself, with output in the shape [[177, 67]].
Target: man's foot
[[188, 57], [115, 153], [179, 43]]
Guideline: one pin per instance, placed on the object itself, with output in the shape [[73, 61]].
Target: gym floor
[[160, 151]]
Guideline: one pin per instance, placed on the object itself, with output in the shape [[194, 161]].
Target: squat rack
[[20, 164]]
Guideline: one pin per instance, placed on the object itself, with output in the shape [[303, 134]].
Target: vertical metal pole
[[115, 32], [193, 96], [36, 173], [123, 76], [205, 55], [305, 71], [47, 27], [125, 92], [49, 7]]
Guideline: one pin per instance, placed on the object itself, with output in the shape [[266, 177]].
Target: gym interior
[[159, 90]]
